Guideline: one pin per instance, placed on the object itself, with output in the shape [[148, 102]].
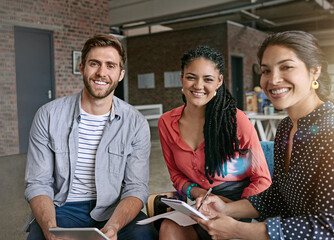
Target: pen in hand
[[206, 195]]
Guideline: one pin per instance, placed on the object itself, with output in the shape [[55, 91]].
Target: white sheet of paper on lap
[[180, 215]]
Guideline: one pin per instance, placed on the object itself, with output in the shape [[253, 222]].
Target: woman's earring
[[215, 93], [315, 84], [182, 90]]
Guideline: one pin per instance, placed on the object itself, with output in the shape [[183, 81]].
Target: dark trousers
[[76, 215]]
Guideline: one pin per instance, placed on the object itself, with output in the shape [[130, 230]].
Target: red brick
[[161, 52], [78, 20]]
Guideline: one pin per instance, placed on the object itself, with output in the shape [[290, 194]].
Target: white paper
[[183, 207], [178, 217]]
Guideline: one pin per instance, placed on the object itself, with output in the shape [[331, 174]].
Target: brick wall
[[161, 52], [244, 42], [72, 22]]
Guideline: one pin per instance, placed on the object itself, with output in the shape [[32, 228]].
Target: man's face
[[102, 71]]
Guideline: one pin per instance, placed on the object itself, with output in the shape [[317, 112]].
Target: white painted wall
[[331, 74]]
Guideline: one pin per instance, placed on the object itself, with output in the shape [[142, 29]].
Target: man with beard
[[88, 156]]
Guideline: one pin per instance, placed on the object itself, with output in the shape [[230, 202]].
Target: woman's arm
[[195, 192], [225, 227], [213, 206], [176, 175], [222, 224], [257, 169], [319, 222]]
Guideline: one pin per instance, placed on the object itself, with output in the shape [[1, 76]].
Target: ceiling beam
[[211, 14]]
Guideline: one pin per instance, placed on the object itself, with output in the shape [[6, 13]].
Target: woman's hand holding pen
[[219, 226], [212, 206], [222, 223]]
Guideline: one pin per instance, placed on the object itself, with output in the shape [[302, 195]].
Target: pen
[[206, 195]]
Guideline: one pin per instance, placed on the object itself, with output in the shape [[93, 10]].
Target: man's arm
[[40, 159], [44, 212], [38, 179], [125, 212], [135, 182]]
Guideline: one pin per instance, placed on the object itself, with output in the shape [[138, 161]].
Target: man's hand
[[49, 236], [110, 231], [125, 212], [44, 212]]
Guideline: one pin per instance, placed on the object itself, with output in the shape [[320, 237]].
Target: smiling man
[[88, 157]]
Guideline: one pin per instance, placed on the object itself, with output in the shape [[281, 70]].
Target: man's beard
[[106, 94]]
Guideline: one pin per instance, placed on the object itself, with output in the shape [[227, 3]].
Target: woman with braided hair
[[208, 142]]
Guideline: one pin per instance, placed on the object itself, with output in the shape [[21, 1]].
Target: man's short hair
[[103, 40]]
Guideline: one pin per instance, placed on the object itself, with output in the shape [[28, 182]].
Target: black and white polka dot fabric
[[300, 204]]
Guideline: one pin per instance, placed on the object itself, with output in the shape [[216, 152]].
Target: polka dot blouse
[[300, 203]]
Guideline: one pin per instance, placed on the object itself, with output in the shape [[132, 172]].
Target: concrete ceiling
[[134, 17]]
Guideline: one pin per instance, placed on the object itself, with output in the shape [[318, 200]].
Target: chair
[[155, 206], [268, 150]]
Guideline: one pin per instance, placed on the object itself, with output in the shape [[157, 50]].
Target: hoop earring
[[315, 84]]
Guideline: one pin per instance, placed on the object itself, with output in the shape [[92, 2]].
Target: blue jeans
[[76, 215]]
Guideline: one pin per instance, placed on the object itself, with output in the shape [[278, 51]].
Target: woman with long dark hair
[[299, 203], [208, 142]]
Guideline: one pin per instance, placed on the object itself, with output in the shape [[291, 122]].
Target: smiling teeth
[[279, 91], [100, 83], [198, 94]]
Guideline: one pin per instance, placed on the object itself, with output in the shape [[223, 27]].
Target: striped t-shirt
[[90, 132]]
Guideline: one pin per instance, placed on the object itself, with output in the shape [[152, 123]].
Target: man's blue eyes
[[93, 64]]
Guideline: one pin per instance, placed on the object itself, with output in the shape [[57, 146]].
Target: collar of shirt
[[114, 112], [312, 117]]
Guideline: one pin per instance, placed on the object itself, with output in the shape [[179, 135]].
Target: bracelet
[[189, 189]]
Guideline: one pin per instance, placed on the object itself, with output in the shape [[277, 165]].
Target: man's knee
[[145, 232], [133, 231]]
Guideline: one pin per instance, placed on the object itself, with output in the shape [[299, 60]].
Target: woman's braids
[[220, 127]]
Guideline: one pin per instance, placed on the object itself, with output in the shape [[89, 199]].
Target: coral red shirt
[[186, 165]]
